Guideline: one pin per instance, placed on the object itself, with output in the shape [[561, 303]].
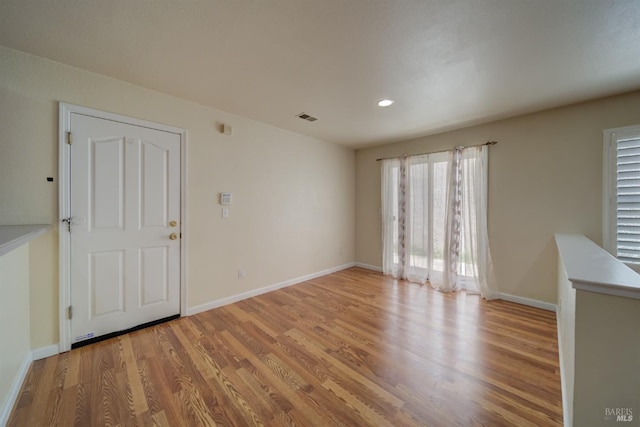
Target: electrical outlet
[[241, 273]]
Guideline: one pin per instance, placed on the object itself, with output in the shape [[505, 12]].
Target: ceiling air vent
[[307, 117]]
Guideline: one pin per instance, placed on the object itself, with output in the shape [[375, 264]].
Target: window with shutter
[[622, 194]]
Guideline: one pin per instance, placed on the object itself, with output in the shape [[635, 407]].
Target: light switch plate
[[225, 198], [225, 212]]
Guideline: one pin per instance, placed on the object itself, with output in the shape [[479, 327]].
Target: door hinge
[[69, 138], [70, 312], [68, 222]]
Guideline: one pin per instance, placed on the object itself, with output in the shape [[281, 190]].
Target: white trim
[[527, 301], [255, 292], [184, 214], [64, 124], [590, 268], [368, 266], [21, 375], [607, 289], [64, 117], [91, 112], [14, 390], [14, 236], [608, 189], [610, 138], [44, 352], [563, 380], [504, 296]]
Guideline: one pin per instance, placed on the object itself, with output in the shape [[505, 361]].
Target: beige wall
[[294, 209], [607, 359], [545, 176], [293, 196], [598, 335], [14, 318]]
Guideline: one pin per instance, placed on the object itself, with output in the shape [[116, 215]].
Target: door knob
[[173, 236], [173, 223]]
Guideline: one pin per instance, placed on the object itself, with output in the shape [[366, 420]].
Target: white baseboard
[[10, 400], [527, 301], [42, 352], [369, 266], [563, 381], [255, 292]]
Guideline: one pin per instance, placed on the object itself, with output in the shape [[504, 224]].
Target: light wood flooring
[[353, 348]]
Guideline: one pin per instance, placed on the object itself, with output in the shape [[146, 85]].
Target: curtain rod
[[434, 152]]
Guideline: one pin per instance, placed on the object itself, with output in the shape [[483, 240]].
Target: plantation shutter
[[628, 200]]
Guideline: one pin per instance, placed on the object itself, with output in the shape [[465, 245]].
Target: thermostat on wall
[[225, 198]]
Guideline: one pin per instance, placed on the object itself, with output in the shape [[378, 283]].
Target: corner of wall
[[14, 390]]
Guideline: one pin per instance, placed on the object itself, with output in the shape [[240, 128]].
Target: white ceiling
[[446, 63]]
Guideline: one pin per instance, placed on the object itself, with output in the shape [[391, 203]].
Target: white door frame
[[64, 187]]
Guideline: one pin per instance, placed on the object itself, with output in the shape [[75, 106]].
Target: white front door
[[125, 225]]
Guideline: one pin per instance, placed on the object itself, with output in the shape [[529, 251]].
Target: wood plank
[[350, 348]]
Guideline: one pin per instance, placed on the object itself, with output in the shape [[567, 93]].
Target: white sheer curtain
[[434, 210]]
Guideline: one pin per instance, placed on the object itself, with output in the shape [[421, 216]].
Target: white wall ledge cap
[[14, 236], [590, 268]]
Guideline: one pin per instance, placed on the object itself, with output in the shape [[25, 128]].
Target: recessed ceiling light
[[385, 102]]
